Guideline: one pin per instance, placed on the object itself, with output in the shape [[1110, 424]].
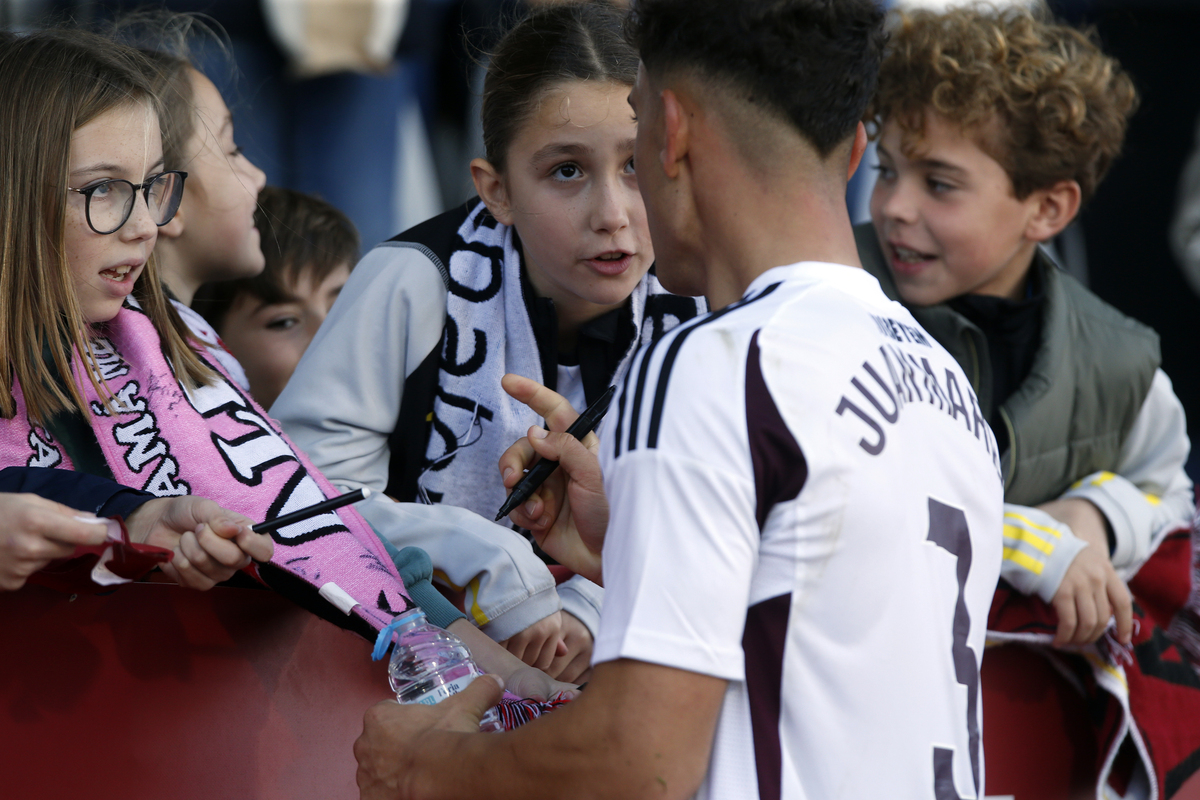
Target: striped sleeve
[[1038, 549], [644, 387]]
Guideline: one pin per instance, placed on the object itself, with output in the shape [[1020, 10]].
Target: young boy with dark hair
[[267, 321], [994, 125], [797, 569]]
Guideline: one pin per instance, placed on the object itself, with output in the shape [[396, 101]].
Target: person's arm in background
[[1185, 226], [342, 405], [1077, 552], [38, 506]]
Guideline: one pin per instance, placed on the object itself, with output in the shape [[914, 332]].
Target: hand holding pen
[[537, 475], [568, 513]]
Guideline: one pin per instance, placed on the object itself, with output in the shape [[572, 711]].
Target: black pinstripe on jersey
[[676, 339]]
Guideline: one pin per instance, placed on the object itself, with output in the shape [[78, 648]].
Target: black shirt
[[1013, 330]]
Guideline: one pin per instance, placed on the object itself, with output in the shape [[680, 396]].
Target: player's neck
[[757, 227]]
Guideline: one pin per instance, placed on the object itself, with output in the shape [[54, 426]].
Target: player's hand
[[392, 734], [575, 665], [538, 644], [569, 513], [1091, 591], [210, 543], [36, 531]]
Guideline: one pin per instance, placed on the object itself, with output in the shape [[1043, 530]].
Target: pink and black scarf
[[216, 442]]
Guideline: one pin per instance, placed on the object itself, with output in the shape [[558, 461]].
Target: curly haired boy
[[993, 126]]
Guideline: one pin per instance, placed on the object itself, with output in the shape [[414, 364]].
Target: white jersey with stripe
[[806, 502]]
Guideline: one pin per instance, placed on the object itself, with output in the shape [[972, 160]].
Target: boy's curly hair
[[1061, 103]]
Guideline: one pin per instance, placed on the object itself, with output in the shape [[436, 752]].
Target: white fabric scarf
[[489, 333]]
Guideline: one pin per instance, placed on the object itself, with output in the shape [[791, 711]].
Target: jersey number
[[948, 530]]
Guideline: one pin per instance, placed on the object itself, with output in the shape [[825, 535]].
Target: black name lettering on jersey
[[877, 400], [899, 332]]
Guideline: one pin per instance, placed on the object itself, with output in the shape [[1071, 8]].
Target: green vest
[[1089, 379]]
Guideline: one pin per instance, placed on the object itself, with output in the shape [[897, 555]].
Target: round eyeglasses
[[109, 203]]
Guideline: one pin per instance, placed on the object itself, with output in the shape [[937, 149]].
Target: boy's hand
[[36, 531], [538, 644], [1091, 591], [209, 542], [569, 513], [574, 665], [531, 683]]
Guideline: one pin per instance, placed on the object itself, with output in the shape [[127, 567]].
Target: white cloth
[[212, 342], [489, 334], [833, 499]]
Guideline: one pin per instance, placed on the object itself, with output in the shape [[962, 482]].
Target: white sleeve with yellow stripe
[[1038, 549], [1147, 494]]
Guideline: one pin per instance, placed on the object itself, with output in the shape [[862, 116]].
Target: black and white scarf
[[488, 333]]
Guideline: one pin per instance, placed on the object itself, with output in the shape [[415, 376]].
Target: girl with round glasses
[[104, 376], [108, 203]]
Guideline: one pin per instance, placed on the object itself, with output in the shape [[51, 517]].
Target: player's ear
[[1054, 208], [857, 149], [675, 133], [489, 184]]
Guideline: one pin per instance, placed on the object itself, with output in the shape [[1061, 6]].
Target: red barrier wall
[[155, 691]]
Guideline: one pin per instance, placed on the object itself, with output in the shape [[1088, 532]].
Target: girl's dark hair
[[568, 42]]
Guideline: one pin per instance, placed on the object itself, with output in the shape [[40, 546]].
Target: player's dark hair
[[811, 62], [573, 41], [301, 235]]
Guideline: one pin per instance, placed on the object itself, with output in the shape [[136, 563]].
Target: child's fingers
[[185, 573], [258, 546], [1085, 605], [1122, 603], [1065, 607], [48, 520], [217, 551]]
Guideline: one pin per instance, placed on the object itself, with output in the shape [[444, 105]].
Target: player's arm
[[639, 730]]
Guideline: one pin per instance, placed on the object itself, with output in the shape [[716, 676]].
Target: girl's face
[[124, 143], [219, 240], [571, 192]]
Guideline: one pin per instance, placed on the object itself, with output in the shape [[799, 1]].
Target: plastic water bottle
[[430, 664]]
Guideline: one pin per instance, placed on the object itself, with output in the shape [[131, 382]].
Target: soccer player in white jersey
[[798, 521]]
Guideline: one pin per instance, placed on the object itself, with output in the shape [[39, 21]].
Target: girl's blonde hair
[[51, 83]]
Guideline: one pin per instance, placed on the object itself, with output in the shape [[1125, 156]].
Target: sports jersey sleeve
[[342, 404], [684, 552], [1145, 496]]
